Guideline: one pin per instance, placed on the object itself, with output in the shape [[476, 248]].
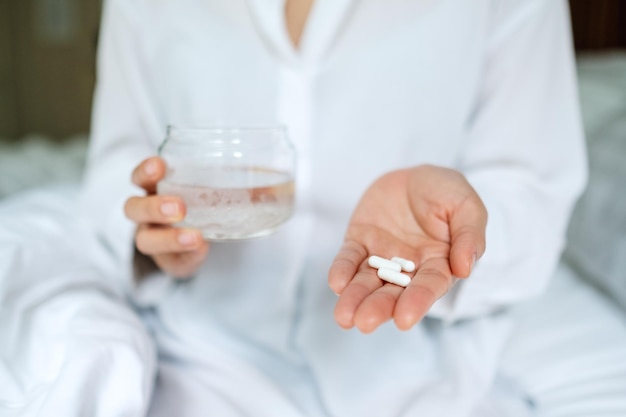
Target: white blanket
[[69, 344], [72, 346]]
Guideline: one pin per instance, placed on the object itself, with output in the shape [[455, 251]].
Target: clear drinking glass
[[237, 183]]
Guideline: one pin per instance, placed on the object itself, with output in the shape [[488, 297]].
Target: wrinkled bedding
[[597, 234]]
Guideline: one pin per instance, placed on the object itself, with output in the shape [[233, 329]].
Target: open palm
[[430, 215]]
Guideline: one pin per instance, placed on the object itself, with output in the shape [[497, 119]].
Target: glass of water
[[237, 183]]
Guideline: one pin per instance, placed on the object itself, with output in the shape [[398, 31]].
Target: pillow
[[596, 245], [36, 161]]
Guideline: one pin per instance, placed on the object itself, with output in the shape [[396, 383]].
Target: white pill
[[405, 264], [394, 277], [378, 262]]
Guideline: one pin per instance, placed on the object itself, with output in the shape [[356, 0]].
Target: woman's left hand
[[430, 215]]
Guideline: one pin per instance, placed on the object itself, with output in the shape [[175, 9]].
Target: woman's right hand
[[178, 252]]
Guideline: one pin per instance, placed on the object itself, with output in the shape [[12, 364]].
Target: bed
[[596, 246]]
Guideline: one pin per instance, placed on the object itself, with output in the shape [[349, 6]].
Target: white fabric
[[597, 234], [35, 161], [513, 127], [568, 357], [375, 87], [69, 344], [559, 361], [69, 348]]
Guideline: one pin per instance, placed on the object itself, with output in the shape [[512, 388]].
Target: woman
[[412, 121]]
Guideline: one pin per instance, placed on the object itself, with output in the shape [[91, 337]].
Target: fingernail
[[170, 209], [151, 168], [188, 238], [473, 262]]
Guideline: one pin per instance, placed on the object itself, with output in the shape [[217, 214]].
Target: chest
[[392, 84]]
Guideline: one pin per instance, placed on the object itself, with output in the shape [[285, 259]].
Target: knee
[[78, 350]]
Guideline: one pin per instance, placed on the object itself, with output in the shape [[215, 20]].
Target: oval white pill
[[394, 277], [378, 262], [405, 264]]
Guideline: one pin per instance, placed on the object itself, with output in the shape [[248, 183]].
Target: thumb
[[467, 231]]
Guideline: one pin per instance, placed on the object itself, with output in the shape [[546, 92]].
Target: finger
[[345, 265], [430, 283], [182, 265], [149, 173], [157, 241], [364, 283], [155, 209], [467, 231], [377, 308]]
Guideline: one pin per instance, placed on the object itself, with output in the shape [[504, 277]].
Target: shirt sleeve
[[125, 124], [525, 156]]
